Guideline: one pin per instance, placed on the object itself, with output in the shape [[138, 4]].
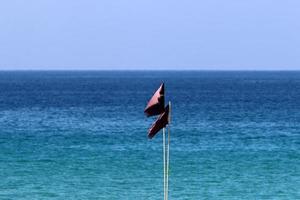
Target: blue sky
[[150, 34]]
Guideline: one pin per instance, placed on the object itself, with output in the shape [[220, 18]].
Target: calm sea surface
[[83, 135]]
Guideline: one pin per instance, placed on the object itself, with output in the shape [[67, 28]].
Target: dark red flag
[[157, 103], [160, 123]]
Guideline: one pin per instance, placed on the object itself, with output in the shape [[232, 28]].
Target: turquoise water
[[83, 135]]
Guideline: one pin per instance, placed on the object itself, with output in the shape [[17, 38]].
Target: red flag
[[157, 103], [160, 123]]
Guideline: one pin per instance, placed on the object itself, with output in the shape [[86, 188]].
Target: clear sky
[[150, 34]]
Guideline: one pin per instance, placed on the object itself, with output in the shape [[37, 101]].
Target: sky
[[150, 34]]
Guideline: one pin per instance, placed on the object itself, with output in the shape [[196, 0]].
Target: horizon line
[[91, 69], [141, 70]]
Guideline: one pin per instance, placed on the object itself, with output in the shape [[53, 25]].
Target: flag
[[160, 123], [157, 103]]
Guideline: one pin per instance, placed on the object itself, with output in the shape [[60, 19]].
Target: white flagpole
[[164, 157], [168, 151]]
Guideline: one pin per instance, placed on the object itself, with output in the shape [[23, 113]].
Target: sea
[[82, 135]]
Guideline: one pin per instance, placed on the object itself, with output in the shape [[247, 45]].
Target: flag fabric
[[156, 104], [160, 123]]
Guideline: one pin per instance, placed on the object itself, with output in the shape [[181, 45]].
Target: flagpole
[[168, 151], [164, 157]]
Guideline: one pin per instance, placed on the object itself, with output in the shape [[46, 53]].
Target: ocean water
[[83, 135]]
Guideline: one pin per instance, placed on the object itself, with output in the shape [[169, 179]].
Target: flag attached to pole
[[156, 105], [160, 123]]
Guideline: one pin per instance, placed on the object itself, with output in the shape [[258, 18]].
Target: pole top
[[169, 113]]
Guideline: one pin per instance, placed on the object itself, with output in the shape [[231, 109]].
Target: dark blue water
[[83, 135]]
